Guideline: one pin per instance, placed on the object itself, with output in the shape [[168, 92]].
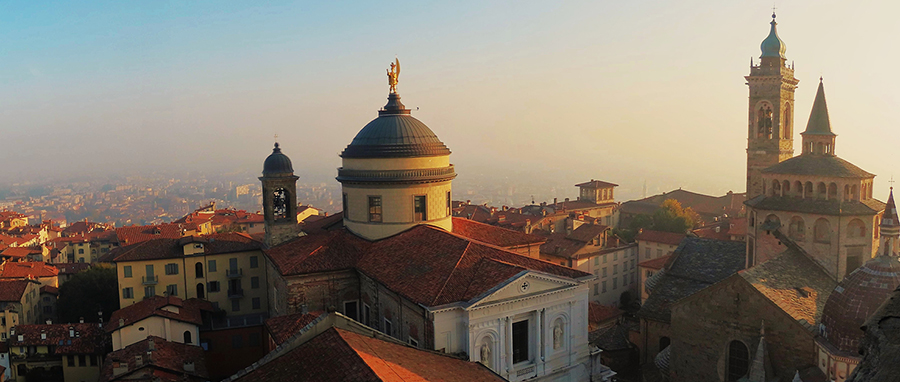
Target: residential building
[[19, 301], [169, 318], [57, 352], [655, 244], [155, 359]]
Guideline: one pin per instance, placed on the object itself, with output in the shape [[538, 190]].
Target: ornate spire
[[772, 46], [819, 123]]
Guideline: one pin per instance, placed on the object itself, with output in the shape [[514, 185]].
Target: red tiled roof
[[597, 184], [163, 361], [282, 328], [87, 339], [188, 311], [489, 234], [425, 264], [323, 224], [50, 289], [657, 263], [660, 237], [342, 355], [71, 268], [598, 313], [166, 248], [19, 252], [587, 232], [12, 290], [15, 270], [136, 234]]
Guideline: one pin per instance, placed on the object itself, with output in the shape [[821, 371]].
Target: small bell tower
[[770, 134], [279, 188]]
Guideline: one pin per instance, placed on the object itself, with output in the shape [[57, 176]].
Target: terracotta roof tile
[[166, 248], [187, 311], [660, 237], [597, 184], [136, 234], [161, 361], [657, 263], [598, 313], [494, 235], [50, 289], [71, 268], [87, 338], [282, 328], [347, 356], [12, 290], [27, 269]]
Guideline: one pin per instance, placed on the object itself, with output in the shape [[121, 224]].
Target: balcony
[[150, 280], [234, 273], [236, 293]]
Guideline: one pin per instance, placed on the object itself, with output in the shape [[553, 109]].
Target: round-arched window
[[738, 361]]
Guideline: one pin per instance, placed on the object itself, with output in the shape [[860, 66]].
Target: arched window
[[854, 192], [863, 194], [279, 204], [846, 192], [797, 229], [786, 188], [821, 190], [832, 191], [198, 270], [187, 336], [820, 148], [856, 228], [822, 231], [786, 123], [200, 292], [738, 361], [798, 188], [664, 343], [773, 220], [776, 188], [808, 190]]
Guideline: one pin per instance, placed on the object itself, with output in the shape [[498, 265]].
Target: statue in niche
[[486, 355], [557, 335], [764, 122]]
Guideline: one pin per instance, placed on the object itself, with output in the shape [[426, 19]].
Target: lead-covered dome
[[395, 134], [772, 46], [277, 163], [856, 298]]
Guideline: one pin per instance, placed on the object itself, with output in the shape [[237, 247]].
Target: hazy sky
[[623, 91]]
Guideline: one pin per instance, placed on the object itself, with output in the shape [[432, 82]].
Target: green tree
[[670, 217], [87, 293]]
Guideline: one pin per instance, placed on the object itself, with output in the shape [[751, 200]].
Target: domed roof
[[277, 163], [772, 46], [395, 134], [856, 298]]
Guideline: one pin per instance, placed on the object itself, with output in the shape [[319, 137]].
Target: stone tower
[[770, 133], [279, 188]]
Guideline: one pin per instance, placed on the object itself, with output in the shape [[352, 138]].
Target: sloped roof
[[596, 184], [819, 123], [188, 311], [657, 263], [611, 339], [670, 238], [167, 248], [700, 203], [425, 264], [282, 328], [25, 269], [598, 313], [830, 166], [817, 206], [342, 355], [19, 252], [494, 235], [587, 232], [697, 263], [12, 290], [162, 361], [136, 234], [881, 344], [71, 268], [88, 339], [795, 282]]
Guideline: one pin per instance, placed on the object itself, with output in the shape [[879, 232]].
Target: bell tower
[[770, 133], [279, 189]]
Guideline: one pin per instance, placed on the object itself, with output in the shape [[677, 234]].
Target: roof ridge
[[447, 281]]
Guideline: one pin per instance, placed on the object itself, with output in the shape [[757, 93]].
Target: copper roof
[[395, 134]]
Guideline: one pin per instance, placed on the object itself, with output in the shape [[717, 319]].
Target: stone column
[[509, 346]]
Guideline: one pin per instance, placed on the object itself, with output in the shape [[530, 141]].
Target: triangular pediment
[[524, 284]]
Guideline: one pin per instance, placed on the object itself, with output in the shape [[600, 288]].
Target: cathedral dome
[[277, 163], [772, 46], [395, 134], [856, 298]]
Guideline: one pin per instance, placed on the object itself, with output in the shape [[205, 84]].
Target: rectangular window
[[604, 287], [449, 204], [211, 267], [235, 305], [213, 286], [80, 251], [81, 360], [254, 261], [596, 289], [615, 256], [149, 269], [366, 314], [596, 260], [615, 283], [604, 259], [70, 360], [149, 291], [237, 341], [632, 263], [126, 270], [94, 360], [127, 293], [419, 208], [520, 341], [171, 269], [658, 253], [375, 209], [254, 282], [413, 342], [604, 271], [647, 253], [624, 280], [232, 264], [615, 269], [255, 303], [172, 290], [351, 310], [388, 327], [344, 204]]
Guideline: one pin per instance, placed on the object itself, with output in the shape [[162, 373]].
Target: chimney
[[71, 332], [151, 345], [80, 320], [49, 322], [567, 200], [43, 335], [138, 360], [189, 366], [554, 201], [121, 322]]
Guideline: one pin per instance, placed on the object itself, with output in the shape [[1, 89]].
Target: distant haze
[[626, 91]]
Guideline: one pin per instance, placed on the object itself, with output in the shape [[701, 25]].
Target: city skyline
[[629, 93]]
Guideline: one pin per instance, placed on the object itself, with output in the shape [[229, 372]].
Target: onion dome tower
[[395, 174], [855, 299], [279, 188]]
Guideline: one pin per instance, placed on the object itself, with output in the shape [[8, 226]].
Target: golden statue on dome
[[393, 73]]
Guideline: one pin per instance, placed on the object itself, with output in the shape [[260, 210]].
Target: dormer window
[[198, 245]]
